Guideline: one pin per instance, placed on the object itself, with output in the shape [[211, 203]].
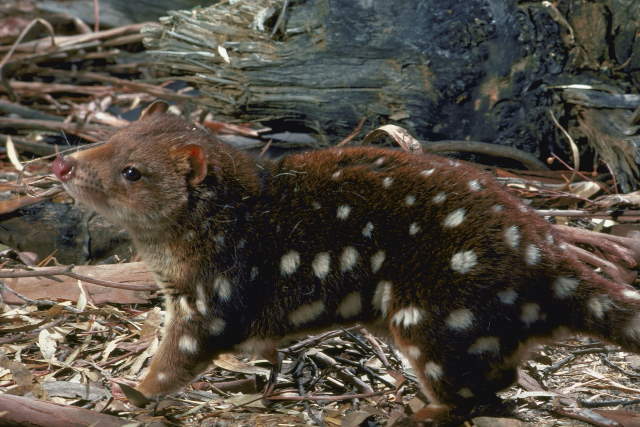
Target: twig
[[353, 134], [632, 214], [64, 41], [154, 90], [89, 132], [377, 349], [366, 369], [265, 148], [280, 19], [313, 340], [572, 144], [327, 361], [39, 303], [96, 15], [577, 172], [66, 271], [601, 403], [624, 249], [29, 336], [326, 398], [529, 161], [616, 273], [22, 35], [612, 365]]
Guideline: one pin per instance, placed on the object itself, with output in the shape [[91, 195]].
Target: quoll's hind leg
[[457, 376], [181, 356]]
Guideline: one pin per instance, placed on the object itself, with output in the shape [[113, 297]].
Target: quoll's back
[[462, 275]]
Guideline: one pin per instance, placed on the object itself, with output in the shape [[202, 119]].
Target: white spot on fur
[[410, 200], [387, 181], [427, 172], [316, 205], [512, 236], [465, 393], [376, 261], [188, 344], [367, 231], [306, 313], [455, 218], [464, 261], [413, 352], [497, 208], [185, 308], [289, 263], [485, 345], [532, 254], [549, 239], [599, 305], [223, 287], [348, 259], [523, 208], [474, 185], [169, 314], [414, 228], [564, 286], [508, 296], [530, 313], [379, 161], [382, 296], [343, 212], [439, 198], [254, 273], [201, 302], [162, 377], [217, 325], [219, 239], [631, 294], [336, 174], [408, 316], [460, 319], [321, 265], [433, 370], [351, 305]]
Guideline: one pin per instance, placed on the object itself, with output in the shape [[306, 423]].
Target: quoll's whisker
[[463, 276]]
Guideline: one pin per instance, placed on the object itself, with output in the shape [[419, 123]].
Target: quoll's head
[[140, 177]]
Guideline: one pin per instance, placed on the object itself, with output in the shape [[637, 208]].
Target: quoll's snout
[[63, 168]]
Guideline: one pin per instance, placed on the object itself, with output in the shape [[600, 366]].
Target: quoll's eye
[[131, 174]]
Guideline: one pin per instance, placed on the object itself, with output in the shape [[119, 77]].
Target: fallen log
[[18, 410], [131, 283], [478, 70]]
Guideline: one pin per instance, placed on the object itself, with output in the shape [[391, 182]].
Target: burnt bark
[[484, 70]]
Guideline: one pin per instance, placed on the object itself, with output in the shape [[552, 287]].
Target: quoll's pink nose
[[63, 168]]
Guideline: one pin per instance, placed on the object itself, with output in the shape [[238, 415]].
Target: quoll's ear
[[155, 107], [195, 158]]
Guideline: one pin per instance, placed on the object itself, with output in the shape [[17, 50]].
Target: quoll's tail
[[602, 308]]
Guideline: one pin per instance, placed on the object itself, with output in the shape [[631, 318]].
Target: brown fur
[[240, 249]]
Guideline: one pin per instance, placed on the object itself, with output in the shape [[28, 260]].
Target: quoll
[[463, 276]]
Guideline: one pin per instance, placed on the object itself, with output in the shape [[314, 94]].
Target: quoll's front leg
[[183, 354]]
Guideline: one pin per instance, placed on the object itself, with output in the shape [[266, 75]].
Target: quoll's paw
[[134, 396]]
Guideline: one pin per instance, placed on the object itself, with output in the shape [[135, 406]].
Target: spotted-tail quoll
[[462, 276]]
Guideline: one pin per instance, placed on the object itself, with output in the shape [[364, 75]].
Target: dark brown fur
[[240, 249]]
